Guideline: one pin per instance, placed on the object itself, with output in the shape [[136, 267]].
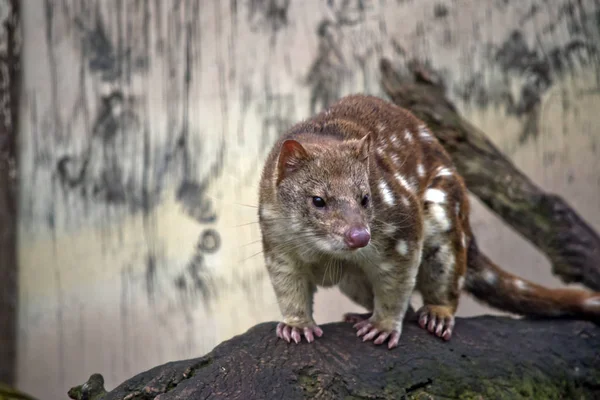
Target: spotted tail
[[488, 283]]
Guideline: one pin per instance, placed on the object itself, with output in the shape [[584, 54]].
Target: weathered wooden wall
[[144, 124]]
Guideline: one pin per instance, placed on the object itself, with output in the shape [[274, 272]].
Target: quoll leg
[[357, 287], [439, 282], [393, 283], [444, 254], [295, 293]]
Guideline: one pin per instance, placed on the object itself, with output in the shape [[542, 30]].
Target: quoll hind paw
[[438, 320], [354, 318], [370, 331], [289, 333]]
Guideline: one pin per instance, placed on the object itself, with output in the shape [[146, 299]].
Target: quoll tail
[[500, 289]]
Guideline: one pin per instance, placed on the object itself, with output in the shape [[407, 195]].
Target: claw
[[372, 333], [364, 329], [423, 321], [361, 324], [296, 335], [286, 333], [438, 320], [289, 333], [382, 337], [308, 335], [431, 325], [438, 329], [318, 331], [447, 334], [394, 340]]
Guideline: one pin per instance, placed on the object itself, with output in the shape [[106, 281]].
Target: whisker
[[325, 273], [246, 224], [248, 244], [264, 220], [219, 201], [245, 205], [253, 255]]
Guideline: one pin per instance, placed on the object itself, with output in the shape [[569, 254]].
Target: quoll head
[[325, 189]]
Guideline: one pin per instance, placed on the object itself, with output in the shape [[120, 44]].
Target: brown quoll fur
[[363, 196]]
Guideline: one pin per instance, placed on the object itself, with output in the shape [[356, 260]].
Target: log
[[542, 218], [488, 357]]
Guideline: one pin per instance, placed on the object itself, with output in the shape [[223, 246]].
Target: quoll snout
[[357, 237]]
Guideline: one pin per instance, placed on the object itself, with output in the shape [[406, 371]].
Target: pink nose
[[357, 237]]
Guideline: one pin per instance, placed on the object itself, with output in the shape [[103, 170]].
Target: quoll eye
[[365, 200], [318, 202]]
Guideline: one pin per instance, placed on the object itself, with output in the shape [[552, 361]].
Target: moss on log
[[488, 357], [544, 219]]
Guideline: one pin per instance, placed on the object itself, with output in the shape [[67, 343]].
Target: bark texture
[[9, 100], [544, 219], [489, 357]]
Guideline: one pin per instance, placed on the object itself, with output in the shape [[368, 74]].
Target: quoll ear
[[291, 157], [364, 147]]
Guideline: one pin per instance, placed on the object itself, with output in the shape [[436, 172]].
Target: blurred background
[[137, 130]]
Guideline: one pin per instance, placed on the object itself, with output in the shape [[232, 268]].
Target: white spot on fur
[[405, 201], [267, 212], [444, 172], [420, 170], [380, 151], [404, 182], [389, 229], [386, 193], [380, 127], [402, 247], [436, 221], [457, 209], [461, 282], [440, 216], [490, 277], [395, 159], [408, 136], [435, 196], [463, 240], [520, 284], [394, 139], [424, 133], [592, 302], [385, 266], [446, 257]]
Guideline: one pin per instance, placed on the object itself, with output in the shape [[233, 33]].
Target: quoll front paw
[[289, 333], [372, 330], [438, 320]]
